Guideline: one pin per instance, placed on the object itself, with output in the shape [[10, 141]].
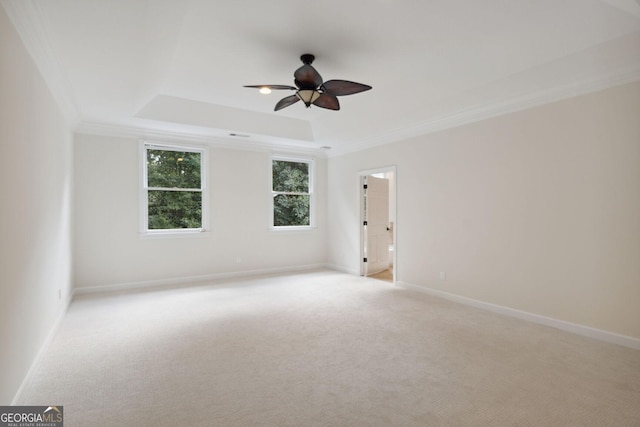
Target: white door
[[376, 224]]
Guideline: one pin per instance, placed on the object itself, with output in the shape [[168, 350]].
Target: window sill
[[293, 229], [174, 234]]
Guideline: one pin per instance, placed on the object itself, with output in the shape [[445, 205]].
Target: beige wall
[[109, 250], [537, 210], [35, 211]]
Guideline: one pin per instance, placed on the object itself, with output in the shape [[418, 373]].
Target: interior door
[[376, 224]]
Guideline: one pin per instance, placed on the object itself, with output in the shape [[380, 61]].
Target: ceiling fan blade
[[272, 87], [328, 101], [306, 77], [285, 102], [344, 87]]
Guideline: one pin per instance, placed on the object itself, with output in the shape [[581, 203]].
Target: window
[[174, 197], [292, 193]]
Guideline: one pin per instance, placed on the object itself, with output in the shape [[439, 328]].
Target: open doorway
[[378, 225]]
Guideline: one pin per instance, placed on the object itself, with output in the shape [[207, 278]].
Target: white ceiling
[[177, 67]]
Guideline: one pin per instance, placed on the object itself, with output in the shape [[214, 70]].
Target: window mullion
[[195, 190], [285, 193]]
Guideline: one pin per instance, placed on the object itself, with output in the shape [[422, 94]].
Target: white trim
[[172, 146], [43, 349], [144, 232], [429, 126], [142, 191], [343, 269], [494, 109], [174, 234], [257, 142], [293, 229], [587, 331], [311, 161], [190, 280], [32, 28], [384, 169]]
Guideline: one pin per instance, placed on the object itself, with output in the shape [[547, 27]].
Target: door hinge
[[365, 260]]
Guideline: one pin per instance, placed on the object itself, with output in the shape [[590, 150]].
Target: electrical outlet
[[443, 275]]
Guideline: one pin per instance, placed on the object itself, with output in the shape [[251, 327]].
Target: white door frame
[[394, 207]]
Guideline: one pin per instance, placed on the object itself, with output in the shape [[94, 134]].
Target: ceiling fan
[[310, 89]]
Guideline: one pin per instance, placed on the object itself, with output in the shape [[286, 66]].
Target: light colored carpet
[[324, 349]]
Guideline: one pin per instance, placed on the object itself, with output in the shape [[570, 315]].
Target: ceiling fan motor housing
[[307, 58]]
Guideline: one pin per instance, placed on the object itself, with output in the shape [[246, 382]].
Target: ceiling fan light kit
[[308, 96], [310, 89]]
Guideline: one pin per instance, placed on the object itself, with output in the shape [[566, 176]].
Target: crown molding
[[481, 112], [30, 26], [257, 144], [431, 125]]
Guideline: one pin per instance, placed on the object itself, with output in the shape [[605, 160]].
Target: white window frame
[[312, 197], [145, 232]]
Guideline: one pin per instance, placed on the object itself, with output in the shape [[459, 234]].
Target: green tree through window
[[291, 193], [174, 189]]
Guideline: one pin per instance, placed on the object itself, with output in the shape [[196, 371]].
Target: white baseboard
[[190, 280], [599, 334], [343, 269], [42, 351]]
